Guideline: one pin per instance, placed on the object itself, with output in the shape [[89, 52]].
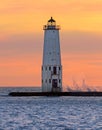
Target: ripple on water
[[46, 113]]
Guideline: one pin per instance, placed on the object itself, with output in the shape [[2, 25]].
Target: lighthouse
[[51, 65]]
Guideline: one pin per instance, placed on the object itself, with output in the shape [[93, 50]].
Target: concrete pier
[[99, 94]]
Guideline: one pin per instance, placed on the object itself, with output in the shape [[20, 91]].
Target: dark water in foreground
[[49, 113]]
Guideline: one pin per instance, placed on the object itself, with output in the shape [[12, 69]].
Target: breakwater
[[55, 94]]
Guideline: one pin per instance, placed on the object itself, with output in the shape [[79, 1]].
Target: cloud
[[81, 43], [23, 44]]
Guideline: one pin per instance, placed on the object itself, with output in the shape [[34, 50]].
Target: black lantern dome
[[51, 25]]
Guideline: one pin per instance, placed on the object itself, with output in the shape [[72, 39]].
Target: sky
[[22, 36]]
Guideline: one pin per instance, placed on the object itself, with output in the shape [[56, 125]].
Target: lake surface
[[49, 113]]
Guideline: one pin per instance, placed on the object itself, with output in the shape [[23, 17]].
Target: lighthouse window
[[45, 68], [50, 68], [49, 80], [42, 67], [59, 81], [54, 70], [59, 68], [46, 81]]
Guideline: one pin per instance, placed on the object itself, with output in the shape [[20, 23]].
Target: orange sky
[[21, 40]]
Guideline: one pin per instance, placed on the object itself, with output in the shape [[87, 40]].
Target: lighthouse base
[[56, 89]]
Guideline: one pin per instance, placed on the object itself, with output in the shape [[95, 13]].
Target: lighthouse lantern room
[[51, 66]]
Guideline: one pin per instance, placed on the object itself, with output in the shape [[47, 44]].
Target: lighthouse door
[[54, 83]]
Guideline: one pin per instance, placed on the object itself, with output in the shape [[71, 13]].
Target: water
[[49, 113]]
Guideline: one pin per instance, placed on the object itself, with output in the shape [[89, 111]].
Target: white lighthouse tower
[[51, 67]]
